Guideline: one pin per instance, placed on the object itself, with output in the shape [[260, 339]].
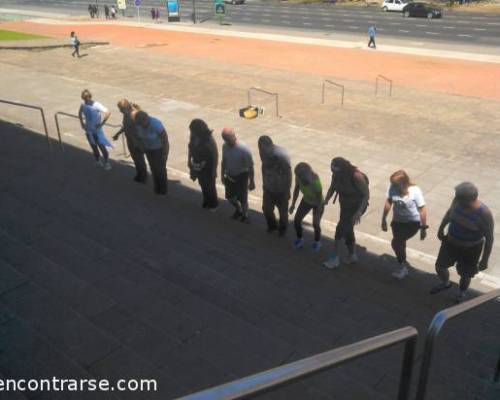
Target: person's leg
[[243, 194], [141, 172], [213, 201], [231, 196], [268, 202], [204, 182], [104, 152], [346, 215], [447, 257], [467, 262], [300, 214], [317, 214], [282, 204]]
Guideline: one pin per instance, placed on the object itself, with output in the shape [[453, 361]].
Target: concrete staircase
[[100, 278]]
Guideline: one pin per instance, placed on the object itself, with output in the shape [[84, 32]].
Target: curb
[[52, 46]]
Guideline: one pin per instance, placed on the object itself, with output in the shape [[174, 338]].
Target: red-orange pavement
[[428, 73]]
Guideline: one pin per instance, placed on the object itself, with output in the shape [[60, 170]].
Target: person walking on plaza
[[134, 144], [203, 159], [351, 186], [468, 241], [409, 216], [91, 10], [372, 32], [153, 14], [237, 173], [75, 44], [106, 11], [277, 182], [93, 116], [154, 141], [308, 183], [113, 12]]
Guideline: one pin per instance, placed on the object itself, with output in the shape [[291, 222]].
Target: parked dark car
[[422, 10], [234, 2]]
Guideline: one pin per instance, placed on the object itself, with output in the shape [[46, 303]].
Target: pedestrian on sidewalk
[[203, 159], [409, 216], [113, 12], [469, 239], [75, 44], [134, 143], [157, 15], [237, 173], [154, 140], [153, 14], [277, 182], [308, 183], [90, 9], [351, 187], [93, 116], [372, 32], [106, 11]]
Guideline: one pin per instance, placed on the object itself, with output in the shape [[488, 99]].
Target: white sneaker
[[353, 259], [99, 163], [402, 273], [332, 263], [107, 166]]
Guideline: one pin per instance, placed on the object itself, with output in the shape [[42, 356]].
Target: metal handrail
[[334, 84], [385, 79], [435, 327], [288, 373], [15, 103], [275, 95], [65, 114]]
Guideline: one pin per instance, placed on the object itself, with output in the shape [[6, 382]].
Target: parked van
[[394, 5]]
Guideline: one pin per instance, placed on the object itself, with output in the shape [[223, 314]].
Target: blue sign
[[173, 8], [137, 3]]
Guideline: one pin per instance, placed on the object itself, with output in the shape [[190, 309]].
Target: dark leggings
[[345, 226], [103, 149], [206, 179], [157, 160], [302, 211], [401, 232]]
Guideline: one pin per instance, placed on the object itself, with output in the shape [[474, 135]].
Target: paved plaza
[[159, 288]]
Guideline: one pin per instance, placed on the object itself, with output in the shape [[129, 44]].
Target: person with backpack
[[409, 216], [351, 187], [308, 183], [203, 159], [468, 242], [75, 43]]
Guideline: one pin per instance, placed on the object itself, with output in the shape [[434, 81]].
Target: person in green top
[[308, 183]]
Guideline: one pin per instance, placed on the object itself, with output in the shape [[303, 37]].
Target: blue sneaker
[[298, 244], [316, 246]]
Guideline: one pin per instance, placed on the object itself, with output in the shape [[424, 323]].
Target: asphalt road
[[457, 27]]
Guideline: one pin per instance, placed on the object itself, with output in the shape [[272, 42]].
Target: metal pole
[[497, 371], [58, 132], [407, 369]]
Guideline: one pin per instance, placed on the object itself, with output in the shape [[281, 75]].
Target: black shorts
[[466, 258], [237, 188]]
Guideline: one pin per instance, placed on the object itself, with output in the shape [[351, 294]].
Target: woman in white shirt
[[409, 216]]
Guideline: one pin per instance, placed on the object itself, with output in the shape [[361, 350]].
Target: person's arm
[[488, 231], [423, 222], [445, 221], [296, 191], [361, 185], [288, 177], [117, 134], [330, 192], [164, 142], [80, 117], [251, 174], [105, 116], [223, 167], [385, 212]]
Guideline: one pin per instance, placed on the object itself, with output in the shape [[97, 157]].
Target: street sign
[[122, 4], [137, 3], [173, 11], [220, 7]]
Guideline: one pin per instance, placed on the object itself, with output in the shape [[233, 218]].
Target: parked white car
[[394, 5]]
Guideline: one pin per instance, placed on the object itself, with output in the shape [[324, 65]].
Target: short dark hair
[[141, 117], [265, 140], [466, 192]]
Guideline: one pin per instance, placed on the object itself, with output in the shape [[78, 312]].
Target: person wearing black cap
[[468, 241], [277, 182], [351, 185]]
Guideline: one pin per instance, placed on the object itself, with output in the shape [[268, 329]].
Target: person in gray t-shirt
[[277, 182], [237, 173]]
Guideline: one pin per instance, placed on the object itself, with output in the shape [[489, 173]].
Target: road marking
[[432, 33], [329, 26], [492, 23], [479, 29], [448, 27], [403, 31], [353, 27], [422, 26], [306, 23], [286, 22], [347, 20], [463, 35], [265, 21]]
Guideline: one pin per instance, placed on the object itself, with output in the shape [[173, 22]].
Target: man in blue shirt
[[372, 31], [154, 139]]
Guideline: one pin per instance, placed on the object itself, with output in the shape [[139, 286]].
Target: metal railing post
[[433, 332], [385, 79], [275, 95], [58, 131], [342, 91], [33, 107], [407, 369], [496, 377]]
